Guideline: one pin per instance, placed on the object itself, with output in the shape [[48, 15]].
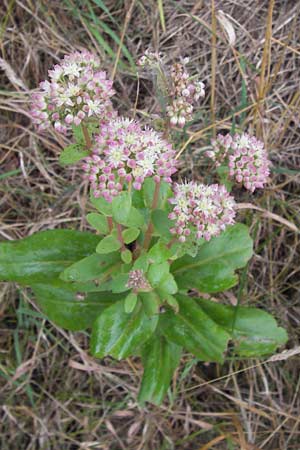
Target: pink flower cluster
[[220, 148], [77, 89], [246, 157], [184, 93], [137, 281], [201, 211], [248, 162], [125, 153]]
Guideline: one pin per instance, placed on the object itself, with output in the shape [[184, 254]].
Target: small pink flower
[[128, 153], [77, 88], [200, 211]]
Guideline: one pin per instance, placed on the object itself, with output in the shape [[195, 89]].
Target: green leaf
[[108, 244], [126, 256], [121, 206], [167, 286], [157, 273], [135, 219], [160, 358], [98, 221], [119, 334], [148, 190], [130, 302], [72, 154], [162, 223], [172, 302], [151, 302], [193, 329], [90, 268], [42, 256], [254, 331], [159, 253], [101, 205], [69, 308], [119, 283], [212, 270], [130, 235]]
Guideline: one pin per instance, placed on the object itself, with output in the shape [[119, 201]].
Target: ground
[[53, 394]]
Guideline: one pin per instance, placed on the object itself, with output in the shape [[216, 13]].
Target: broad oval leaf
[[193, 329], [70, 308], [98, 221], [254, 331], [121, 206], [108, 244], [119, 334], [160, 358], [130, 234], [212, 270], [90, 268], [42, 256], [101, 205]]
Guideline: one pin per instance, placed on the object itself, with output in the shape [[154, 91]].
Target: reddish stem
[[110, 223], [148, 235], [171, 242], [87, 138], [120, 237]]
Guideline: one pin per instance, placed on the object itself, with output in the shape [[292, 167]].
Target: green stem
[[148, 235]]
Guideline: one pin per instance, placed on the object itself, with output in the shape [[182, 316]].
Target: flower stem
[[148, 235], [110, 223], [171, 242], [120, 237], [87, 138]]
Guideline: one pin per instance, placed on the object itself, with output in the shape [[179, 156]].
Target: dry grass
[[53, 395]]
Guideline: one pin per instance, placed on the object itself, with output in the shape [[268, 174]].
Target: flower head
[[248, 162], [137, 281], [184, 93], [246, 157], [77, 89], [124, 152], [220, 148], [201, 211]]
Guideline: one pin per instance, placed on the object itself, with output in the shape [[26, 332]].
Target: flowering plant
[[143, 279]]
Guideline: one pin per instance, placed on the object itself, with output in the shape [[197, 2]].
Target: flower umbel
[[78, 89], [125, 153], [248, 162], [137, 281], [201, 211], [245, 156], [184, 93]]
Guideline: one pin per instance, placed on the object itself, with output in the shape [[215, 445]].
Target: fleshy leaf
[[160, 358], [130, 235], [130, 302], [98, 221], [108, 244], [70, 308], [42, 256], [121, 206], [193, 329], [254, 332], [162, 223], [212, 270], [89, 268], [119, 334], [101, 205]]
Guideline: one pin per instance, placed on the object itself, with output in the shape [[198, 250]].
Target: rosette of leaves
[[81, 281]]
